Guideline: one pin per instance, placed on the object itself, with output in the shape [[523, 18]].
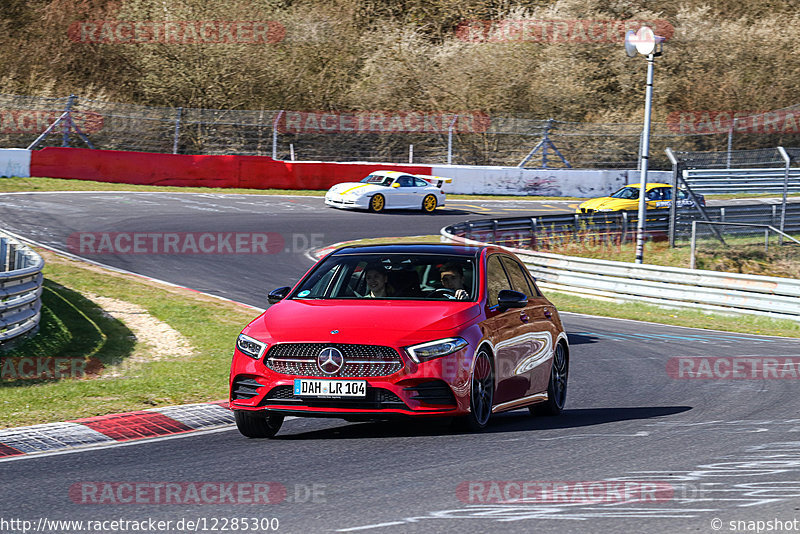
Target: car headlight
[[250, 347], [435, 349]]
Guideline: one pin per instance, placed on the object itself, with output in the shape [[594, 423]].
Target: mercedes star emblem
[[330, 360]]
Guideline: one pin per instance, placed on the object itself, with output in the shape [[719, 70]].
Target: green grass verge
[[209, 325]]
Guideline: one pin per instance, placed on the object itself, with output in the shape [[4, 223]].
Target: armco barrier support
[[15, 162], [20, 288], [663, 286]]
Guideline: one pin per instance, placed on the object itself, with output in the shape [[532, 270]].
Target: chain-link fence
[[423, 137], [756, 238]]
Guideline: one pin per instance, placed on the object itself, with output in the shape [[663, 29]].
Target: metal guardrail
[[531, 232], [613, 280], [720, 181], [20, 289]]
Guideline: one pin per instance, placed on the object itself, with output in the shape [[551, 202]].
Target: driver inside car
[[452, 277]]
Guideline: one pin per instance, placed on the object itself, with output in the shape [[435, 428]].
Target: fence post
[[411, 153], [730, 141], [177, 130], [788, 161], [693, 244], [673, 206], [450, 140], [65, 128], [275, 135]]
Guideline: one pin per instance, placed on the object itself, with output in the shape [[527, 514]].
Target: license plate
[[304, 387]]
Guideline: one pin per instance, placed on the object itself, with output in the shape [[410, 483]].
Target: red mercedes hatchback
[[374, 332]]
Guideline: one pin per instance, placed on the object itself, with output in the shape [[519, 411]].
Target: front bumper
[[435, 388], [338, 201]]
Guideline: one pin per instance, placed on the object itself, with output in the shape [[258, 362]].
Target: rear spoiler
[[438, 181]]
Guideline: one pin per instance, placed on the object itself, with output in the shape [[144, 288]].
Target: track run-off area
[[641, 447]]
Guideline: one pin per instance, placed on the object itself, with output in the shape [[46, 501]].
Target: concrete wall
[[15, 162]]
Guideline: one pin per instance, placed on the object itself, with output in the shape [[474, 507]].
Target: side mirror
[[395, 184], [511, 299], [277, 295]]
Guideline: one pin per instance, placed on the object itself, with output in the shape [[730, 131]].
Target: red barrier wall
[[146, 168]]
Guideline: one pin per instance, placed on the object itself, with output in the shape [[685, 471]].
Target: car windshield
[[628, 193], [391, 276], [378, 180]]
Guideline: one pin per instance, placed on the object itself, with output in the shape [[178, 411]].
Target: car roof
[[390, 174], [650, 185], [413, 248]]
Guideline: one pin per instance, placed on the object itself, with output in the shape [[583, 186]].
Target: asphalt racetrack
[[642, 447]]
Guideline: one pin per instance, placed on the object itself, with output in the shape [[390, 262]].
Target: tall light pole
[[648, 44]]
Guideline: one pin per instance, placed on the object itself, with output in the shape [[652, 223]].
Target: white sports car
[[383, 190]]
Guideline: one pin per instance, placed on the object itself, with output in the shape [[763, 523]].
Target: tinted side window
[[519, 282], [419, 182], [496, 279]]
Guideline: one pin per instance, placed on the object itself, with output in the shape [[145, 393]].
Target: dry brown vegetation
[[354, 54]]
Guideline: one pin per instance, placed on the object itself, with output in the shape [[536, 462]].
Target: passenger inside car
[[378, 281]]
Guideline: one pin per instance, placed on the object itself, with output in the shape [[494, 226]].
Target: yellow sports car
[[658, 196]]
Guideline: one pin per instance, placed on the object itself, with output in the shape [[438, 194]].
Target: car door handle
[[524, 317]]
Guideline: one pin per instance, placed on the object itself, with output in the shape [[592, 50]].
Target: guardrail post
[[532, 241], [576, 221], [624, 227]]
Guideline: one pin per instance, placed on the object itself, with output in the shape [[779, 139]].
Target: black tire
[[429, 204], [557, 387], [481, 396], [377, 203], [257, 425]]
